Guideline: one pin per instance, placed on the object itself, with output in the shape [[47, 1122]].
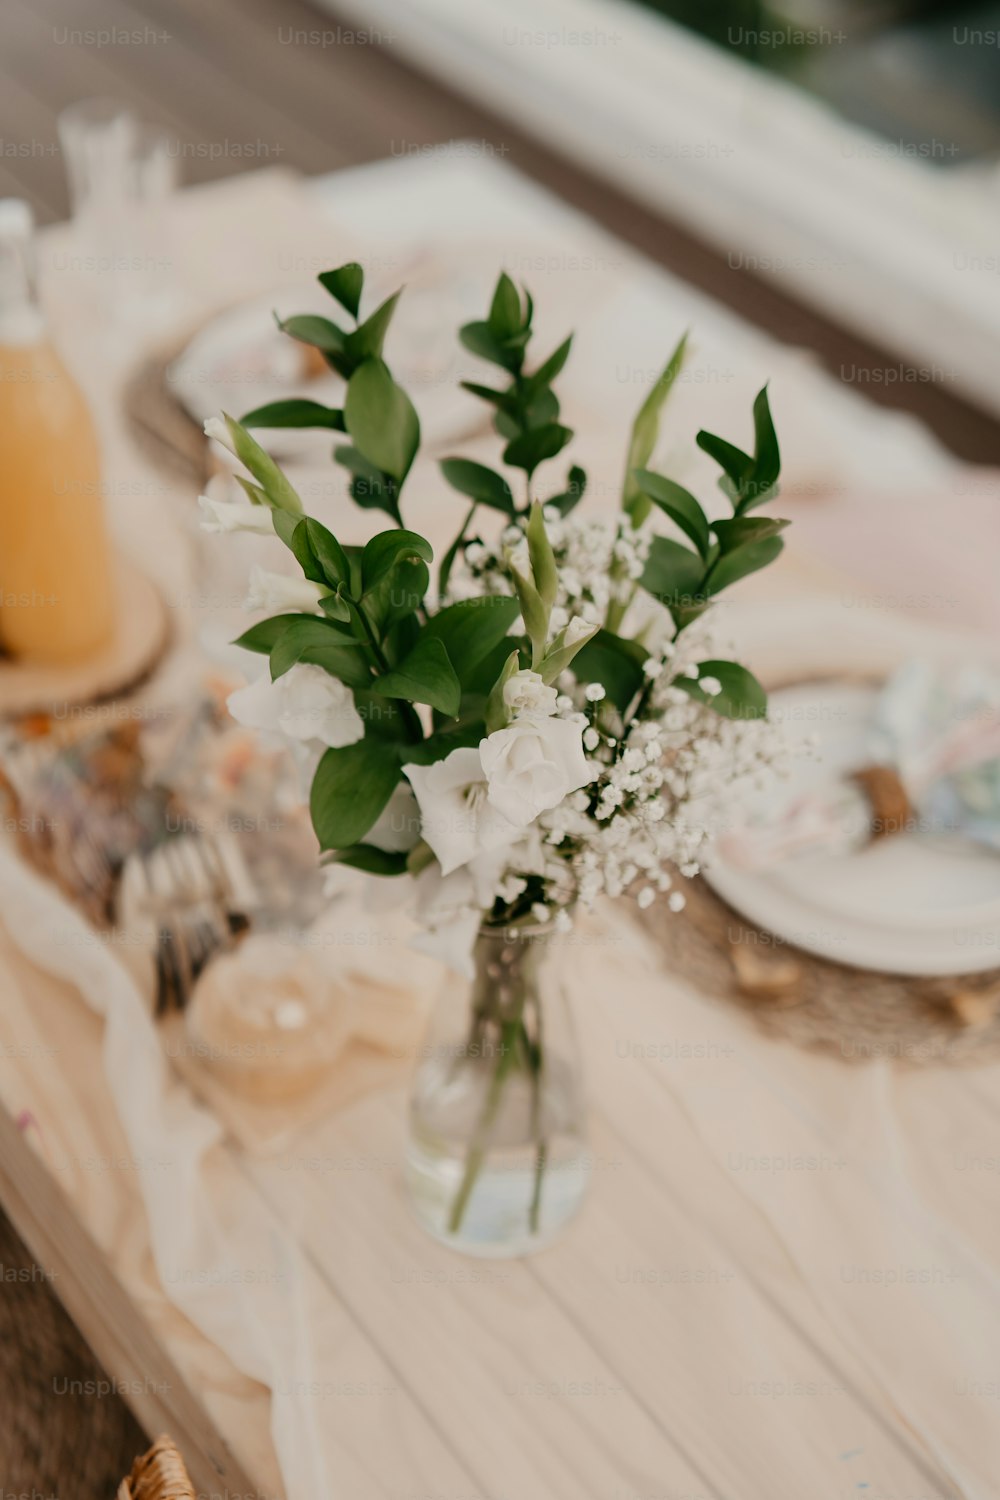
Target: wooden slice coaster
[[140, 639]]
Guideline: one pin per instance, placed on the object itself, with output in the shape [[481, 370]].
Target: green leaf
[[480, 340], [277, 488], [576, 485], [329, 554], [496, 709], [645, 430], [679, 504], [438, 746], [318, 553], [481, 678], [371, 859], [350, 790], [382, 718], [478, 482], [743, 529], [335, 606], [256, 496], [505, 309], [381, 419], [448, 561], [735, 464], [301, 549], [262, 636], [366, 342], [533, 611], [370, 488], [397, 594], [559, 656], [541, 411], [533, 447], [741, 562], [403, 630], [502, 399], [471, 629], [295, 413], [319, 643], [318, 332], [742, 696], [748, 481], [615, 663], [285, 523], [673, 573], [543, 562], [388, 548], [346, 284], [549, 369], [767, 456], [426, 676]]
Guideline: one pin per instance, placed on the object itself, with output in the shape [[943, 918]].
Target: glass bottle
[[56, 581]]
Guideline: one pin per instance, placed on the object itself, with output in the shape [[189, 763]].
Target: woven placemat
[[855, 1013], [139, 642]]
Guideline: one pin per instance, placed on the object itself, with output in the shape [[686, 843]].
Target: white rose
[[577, 630], [278, 591], [306, 704], [457, 818], [224, 515], [525, 693], [532, 765]]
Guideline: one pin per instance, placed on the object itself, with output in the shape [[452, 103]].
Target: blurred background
[[903, 68], [828, 168]]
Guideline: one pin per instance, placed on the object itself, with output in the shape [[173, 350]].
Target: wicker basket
[[158, 1475]]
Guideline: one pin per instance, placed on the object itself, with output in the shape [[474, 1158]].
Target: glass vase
[[496, 1160]]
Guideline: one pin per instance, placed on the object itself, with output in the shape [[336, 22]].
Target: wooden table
[[676, 1344]]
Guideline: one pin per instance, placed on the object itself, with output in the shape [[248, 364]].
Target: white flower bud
[[278, 591], [577, 630], [525, 694], [215, 428], [225, 515]]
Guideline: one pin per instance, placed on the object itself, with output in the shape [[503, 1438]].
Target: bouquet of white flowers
[[542, 727]]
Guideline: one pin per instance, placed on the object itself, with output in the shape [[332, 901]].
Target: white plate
[[240, 359], [906, 905]]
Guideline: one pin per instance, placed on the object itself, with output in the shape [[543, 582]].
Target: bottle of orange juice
[[56, 580]]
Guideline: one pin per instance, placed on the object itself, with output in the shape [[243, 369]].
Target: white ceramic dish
[[906, 905], [240, 359]]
